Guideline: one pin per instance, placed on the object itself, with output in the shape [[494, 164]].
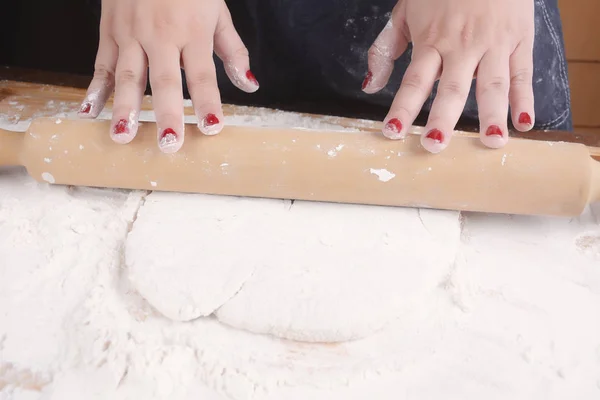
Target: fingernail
[[367, 80], [494, 130], [210, 124], [436, 135], [392, 128], [250, 76], [168, 140], [121, 127], [525, 118], [85, 108]]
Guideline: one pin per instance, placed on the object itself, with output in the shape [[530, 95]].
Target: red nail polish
[[525, 118], [250, 76], [367, 80], [210, 120], [494, 130], [394, 125], [85, 108], [435, 135], [168, 135], [122, 126]]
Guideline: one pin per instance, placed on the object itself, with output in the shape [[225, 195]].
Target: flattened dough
[[304, 271], [340, 272], [188, 254]]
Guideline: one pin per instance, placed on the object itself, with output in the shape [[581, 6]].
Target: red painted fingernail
[[210, 120], [494, 130], [525, 118], [394, 125], [85, 108], [122, 126], [367, 80], [435, 135], [250, 76], [168, 137]]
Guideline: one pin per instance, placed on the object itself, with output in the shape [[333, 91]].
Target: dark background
[[61, 36], [52, 35]]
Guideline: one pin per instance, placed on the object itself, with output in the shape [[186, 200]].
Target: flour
[[382, 174], [515, 314], [47, 176]]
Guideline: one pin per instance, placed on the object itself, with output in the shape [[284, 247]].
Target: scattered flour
[[47, 176], [514, 312], [383, 174]]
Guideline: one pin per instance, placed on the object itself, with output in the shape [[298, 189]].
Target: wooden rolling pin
[[525, 177]]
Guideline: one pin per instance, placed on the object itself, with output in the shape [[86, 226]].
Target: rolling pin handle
[[595, 184], [11, 144]]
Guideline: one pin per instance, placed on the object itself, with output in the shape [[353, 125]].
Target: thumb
[[234, 54], [388, 47]]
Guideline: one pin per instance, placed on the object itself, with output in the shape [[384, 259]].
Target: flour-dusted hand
[[453, 42], [165, 35]]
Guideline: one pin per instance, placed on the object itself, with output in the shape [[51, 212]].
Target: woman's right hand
[[165, 35]]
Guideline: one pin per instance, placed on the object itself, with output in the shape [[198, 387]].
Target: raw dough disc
[[322, 272], [188, 254], [338, 272]]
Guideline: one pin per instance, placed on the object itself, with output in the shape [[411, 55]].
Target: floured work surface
[[113, 294]]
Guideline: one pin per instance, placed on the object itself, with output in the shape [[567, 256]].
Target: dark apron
[[311, 56]]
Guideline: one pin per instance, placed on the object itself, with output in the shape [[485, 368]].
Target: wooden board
[[581, 29], [585, 93]]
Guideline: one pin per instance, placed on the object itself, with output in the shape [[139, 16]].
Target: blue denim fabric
[[315, 51]]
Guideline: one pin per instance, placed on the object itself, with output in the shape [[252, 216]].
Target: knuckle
[[522, 77], [379, 50], [164, 80], [431, 35], [162, 22], [413, 80], [403, 111], [451, 88], [128, 76], [495, 84], [240, 52], [199, 78], [467, 35], [103, 73]]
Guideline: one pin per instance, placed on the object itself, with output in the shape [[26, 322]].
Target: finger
[[521, 87], [416, 86], [103, 82], [130, 77], [201, 80], [234, 54], [388, 47], [167, 96], [451, 97], [492, 97]]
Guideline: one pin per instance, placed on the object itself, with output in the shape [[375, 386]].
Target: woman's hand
[[454, 41], [165, 35]]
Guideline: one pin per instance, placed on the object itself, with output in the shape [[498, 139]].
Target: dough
[[189, 254], [320, 272], [341, 272]]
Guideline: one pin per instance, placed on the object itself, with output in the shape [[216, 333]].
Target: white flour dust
[[488, 306], [383, 174]]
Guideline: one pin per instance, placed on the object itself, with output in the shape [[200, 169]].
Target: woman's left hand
[[453, 42]]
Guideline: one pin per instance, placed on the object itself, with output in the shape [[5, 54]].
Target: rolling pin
[[525, 177]]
